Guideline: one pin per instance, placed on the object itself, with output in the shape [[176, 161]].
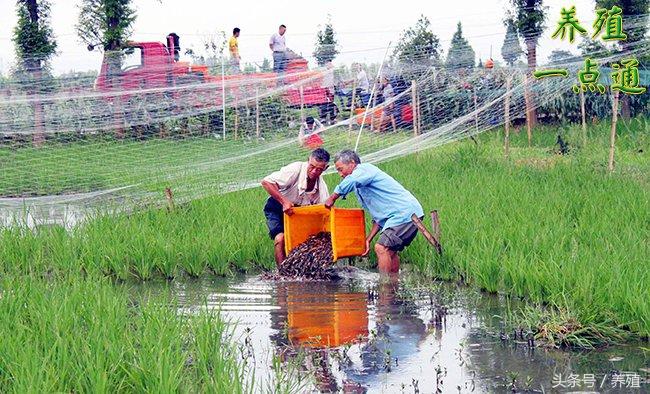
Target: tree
[[325, 49], [559, 56], [593, 48], [461, 54], [511, 49], [418, 45], [529, 17], [266, 66], [107, 24], [35, 46]]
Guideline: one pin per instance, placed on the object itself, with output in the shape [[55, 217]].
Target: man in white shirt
[[328, 110], [296, 184], [362, 85], [278, 45]]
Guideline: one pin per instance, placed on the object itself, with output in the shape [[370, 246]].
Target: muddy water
[[372, 334]]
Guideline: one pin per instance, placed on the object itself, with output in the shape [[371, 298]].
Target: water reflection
[[378, 334]]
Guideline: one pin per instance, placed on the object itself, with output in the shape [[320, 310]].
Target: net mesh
[[119, 139]]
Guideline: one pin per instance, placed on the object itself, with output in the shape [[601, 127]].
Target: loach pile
[[311, 259]]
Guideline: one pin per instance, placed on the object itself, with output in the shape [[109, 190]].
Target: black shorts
[[398, 237], [274, 217]]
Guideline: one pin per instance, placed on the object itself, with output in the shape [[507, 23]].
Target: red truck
[[154, 68]]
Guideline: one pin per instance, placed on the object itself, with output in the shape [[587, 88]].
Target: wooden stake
[[170, 199], [612, 139], [584, 118], [223, 98], [418, 223], [475, 111], [257, 112], [529, 119], [435, 226], [507, 119], [419, 111], [302, 106], [236, 114], [414, 108]]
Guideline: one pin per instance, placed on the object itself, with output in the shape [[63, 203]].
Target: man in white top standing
[[279, 47], [296, 184], [362, 85], [328, 110]]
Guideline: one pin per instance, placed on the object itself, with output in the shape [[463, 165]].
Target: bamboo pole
[[236, 115], [223, 98], [529, 119], [352, 104], [414, 108], [419, 111], [584, 118], [302, 105], [507, 119], [475, 112], [257, 112], [372, 94], [612, 139]]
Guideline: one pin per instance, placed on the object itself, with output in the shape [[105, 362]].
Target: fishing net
[[119, 139]]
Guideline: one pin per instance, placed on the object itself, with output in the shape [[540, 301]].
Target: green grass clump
[[88, 336]]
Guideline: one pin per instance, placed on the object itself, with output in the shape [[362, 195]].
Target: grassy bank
[[554, 229]]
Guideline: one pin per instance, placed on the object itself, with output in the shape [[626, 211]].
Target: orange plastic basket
[[346, 226]]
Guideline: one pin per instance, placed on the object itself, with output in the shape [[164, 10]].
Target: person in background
[[296, 184], [309, 135], [390, 205], [278, 45], [328, 110], [362, 85], [387, 94], [233, 47]]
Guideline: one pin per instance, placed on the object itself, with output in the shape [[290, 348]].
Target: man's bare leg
[[394, 262], [385, 258], [278, 244]]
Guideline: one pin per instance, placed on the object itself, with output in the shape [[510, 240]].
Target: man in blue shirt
[[390, 205]]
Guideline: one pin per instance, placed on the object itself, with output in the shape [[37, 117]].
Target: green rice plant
[[558, 230], [78, 335]]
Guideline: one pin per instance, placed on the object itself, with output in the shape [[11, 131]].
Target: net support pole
[[529, 115], [506, 115], [370, 100], [223, 98], [302, 105], [414, 108], [475, 111], [352, 107], [584, 118], [612, 138], [418, 106], [257, 112], [236, 115]]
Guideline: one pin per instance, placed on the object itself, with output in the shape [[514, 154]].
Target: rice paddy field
[[559, 232]]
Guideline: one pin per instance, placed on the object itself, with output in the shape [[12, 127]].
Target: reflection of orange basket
[[326, 320], [347, 228]]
